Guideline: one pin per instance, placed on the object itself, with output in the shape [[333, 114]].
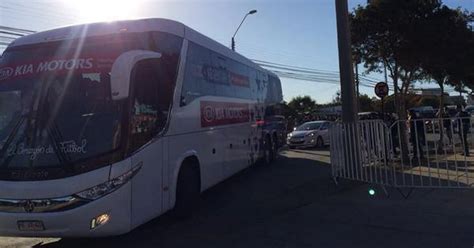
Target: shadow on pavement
[[235, 205], [294, 203]]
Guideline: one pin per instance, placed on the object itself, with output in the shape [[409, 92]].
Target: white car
[[309, 134]]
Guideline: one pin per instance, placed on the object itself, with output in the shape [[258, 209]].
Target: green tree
[[366, 103], [337, 100], [386, 34], [300, 106], [400, 35], [444, 50], [463, 76]]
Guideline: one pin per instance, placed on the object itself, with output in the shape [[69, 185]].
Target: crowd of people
[[444, 124]]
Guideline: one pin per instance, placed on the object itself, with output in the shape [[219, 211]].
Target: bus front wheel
[[188, 190]]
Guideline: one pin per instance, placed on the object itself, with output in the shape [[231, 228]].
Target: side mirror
[[122, 69]]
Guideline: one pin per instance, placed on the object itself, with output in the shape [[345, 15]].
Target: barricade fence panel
[[427, 153]]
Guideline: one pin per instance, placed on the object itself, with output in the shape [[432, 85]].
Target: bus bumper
[[76, 222]]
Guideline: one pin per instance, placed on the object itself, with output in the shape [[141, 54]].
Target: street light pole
[[233, 36]]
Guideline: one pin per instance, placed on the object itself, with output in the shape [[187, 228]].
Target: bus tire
[[276, 142], [188, 190], [269, 151]]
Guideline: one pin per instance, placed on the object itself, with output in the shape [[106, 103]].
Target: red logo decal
[[223, 113]]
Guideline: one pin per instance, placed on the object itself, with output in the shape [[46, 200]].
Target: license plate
[[30, 225]]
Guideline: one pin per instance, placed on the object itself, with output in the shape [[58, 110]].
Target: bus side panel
[[238, 148], [208, 149], [147, 191], [166, 204]]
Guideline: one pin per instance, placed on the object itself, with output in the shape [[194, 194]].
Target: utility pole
[[356, 65], [349, 105]]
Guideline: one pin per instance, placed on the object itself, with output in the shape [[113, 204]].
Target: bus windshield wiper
[[10, 138]]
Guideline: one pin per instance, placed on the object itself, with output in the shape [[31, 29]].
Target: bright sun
[[104, 10]]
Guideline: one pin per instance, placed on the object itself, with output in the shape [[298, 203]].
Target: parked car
[[309, 134]]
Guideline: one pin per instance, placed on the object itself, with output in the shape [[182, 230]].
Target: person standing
[[417, 134], [446, 124], [394, 127], [464, 124]]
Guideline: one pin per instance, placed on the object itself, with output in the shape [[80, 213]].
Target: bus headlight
[[108, 187], [100, 220]]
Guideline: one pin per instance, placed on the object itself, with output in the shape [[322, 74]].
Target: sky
[[292, 32]]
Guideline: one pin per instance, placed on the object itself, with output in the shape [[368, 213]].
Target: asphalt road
[[294, 203]]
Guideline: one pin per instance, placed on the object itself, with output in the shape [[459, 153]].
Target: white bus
[[106, 126]]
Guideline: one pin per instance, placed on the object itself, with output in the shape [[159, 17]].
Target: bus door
[[147, 119]]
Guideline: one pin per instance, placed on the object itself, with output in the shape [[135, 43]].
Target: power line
[[297, 67], [11, 33], [17, 29], [308, 74]]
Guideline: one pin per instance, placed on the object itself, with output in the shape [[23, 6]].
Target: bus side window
[[147, 119], [196, 79]]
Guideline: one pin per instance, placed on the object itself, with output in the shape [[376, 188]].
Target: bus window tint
[[195, 84], [210, 74], [273, 91], [240, 80], [217, 73], [170, 48]]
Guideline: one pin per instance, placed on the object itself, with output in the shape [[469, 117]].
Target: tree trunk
[[401, 111], [440, 117]]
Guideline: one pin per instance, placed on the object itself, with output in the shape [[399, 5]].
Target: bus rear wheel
[[188, 190], [269, 151]]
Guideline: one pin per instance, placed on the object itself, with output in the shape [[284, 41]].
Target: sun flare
[[103, 10]]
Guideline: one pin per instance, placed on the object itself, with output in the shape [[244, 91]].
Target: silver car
[[309, 134]]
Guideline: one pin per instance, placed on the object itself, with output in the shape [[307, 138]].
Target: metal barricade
[[426, 153]]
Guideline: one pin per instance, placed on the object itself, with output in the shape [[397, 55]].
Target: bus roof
[[132, 26]]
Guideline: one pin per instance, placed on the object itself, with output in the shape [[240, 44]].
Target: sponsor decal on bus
[[66, 147], [239, 80], [223, 113], [219, 75], [6, 72], [30, 68]]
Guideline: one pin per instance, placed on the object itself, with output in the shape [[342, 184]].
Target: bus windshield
[[309, 126], [56, 112], [57, 117]]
